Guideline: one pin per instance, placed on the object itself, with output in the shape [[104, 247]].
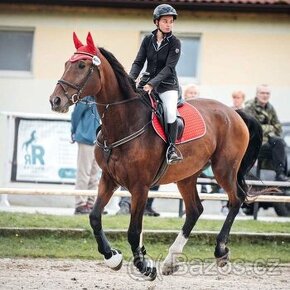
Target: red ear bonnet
[[90, 44], [85, 51], [77, 42]]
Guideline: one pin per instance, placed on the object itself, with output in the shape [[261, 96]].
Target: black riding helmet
[[164, 10]]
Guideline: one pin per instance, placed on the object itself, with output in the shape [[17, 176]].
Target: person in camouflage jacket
[[273, 144]]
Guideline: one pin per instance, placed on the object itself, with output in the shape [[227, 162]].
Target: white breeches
[[169, 99]]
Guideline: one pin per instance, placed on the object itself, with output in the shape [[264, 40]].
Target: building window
[[188, 64], [187, 67], [16, 50]]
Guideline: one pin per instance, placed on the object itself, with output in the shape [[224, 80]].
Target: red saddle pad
[[194, 124]]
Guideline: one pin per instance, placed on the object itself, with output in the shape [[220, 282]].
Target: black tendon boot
[[172, 155]]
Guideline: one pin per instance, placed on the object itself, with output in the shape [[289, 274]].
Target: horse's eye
[[82, 65]]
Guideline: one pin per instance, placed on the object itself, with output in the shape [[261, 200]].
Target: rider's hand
[[148, 88], [132, 82]]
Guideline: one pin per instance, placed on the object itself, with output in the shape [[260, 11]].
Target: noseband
[[79, 88]]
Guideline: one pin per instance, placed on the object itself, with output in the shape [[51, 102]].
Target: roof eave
[[185, 5]]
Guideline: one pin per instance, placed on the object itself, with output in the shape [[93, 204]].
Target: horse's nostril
[[56, 101]]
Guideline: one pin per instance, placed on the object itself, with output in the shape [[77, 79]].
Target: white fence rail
[[162, 194], [157, 194]]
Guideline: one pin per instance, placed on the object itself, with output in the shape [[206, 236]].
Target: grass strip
[[151, 236], [49, 239], [122, 222], [86, 248]]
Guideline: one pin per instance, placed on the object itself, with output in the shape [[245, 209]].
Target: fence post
[[4, 200], [255, 211]]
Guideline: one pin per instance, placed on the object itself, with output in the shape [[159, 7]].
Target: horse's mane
[[120, 73]]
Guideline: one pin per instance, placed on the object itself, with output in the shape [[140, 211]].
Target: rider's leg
[[172, 135], [169, 99], [279, 158]]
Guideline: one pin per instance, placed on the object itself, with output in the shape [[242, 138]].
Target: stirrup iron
[[178, 153]]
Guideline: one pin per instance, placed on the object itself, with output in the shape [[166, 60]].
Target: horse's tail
[[252, 152], [250, 157]]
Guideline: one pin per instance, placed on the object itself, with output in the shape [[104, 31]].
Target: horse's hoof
[[169, 269], [151, 274], [116, 261], [149, 270], [223, 260]]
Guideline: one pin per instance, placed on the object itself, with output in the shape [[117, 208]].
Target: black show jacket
[[161, 62]]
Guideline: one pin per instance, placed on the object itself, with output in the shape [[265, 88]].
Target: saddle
[[193, 124], [160, 114], [157, 103], [190, 123]]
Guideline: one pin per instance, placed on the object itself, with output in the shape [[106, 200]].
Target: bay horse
[[130, 153]]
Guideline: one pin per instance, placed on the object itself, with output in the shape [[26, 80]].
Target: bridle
[[75, 98], [79, 88]]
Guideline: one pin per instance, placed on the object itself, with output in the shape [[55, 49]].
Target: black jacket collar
[[164, 42], [167, 37]]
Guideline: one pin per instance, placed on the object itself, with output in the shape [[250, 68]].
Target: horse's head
[[80, 78]]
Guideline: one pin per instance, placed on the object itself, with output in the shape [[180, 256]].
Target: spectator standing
[[238, 98], [84, 122], [190, 92], [273, 144], [125, 205]]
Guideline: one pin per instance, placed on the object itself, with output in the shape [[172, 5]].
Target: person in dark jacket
[[125, 204], [273, 143], [84, 122], [161, 49]]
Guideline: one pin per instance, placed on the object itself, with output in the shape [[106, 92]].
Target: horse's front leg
[[113, 258], [143, 264]]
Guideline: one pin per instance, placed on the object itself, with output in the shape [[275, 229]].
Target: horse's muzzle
[[55, 103]]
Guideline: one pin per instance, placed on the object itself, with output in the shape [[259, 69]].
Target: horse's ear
[[91, 44], [77, 42]]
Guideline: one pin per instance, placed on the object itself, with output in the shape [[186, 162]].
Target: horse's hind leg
[[113, 258], [193, 209], [226, 176]]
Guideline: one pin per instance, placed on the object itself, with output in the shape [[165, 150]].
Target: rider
[[161, 49]]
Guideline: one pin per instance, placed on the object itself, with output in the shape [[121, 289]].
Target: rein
[[108, 105], [111, 104], [75, 98]]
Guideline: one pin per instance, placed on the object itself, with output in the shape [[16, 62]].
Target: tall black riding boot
[[172, 155]]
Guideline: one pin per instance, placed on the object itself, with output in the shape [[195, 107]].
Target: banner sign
[[43, 152]]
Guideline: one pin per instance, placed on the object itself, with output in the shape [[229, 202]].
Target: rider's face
[[166, 23]]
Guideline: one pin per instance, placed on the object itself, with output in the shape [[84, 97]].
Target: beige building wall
[[238, 51]]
